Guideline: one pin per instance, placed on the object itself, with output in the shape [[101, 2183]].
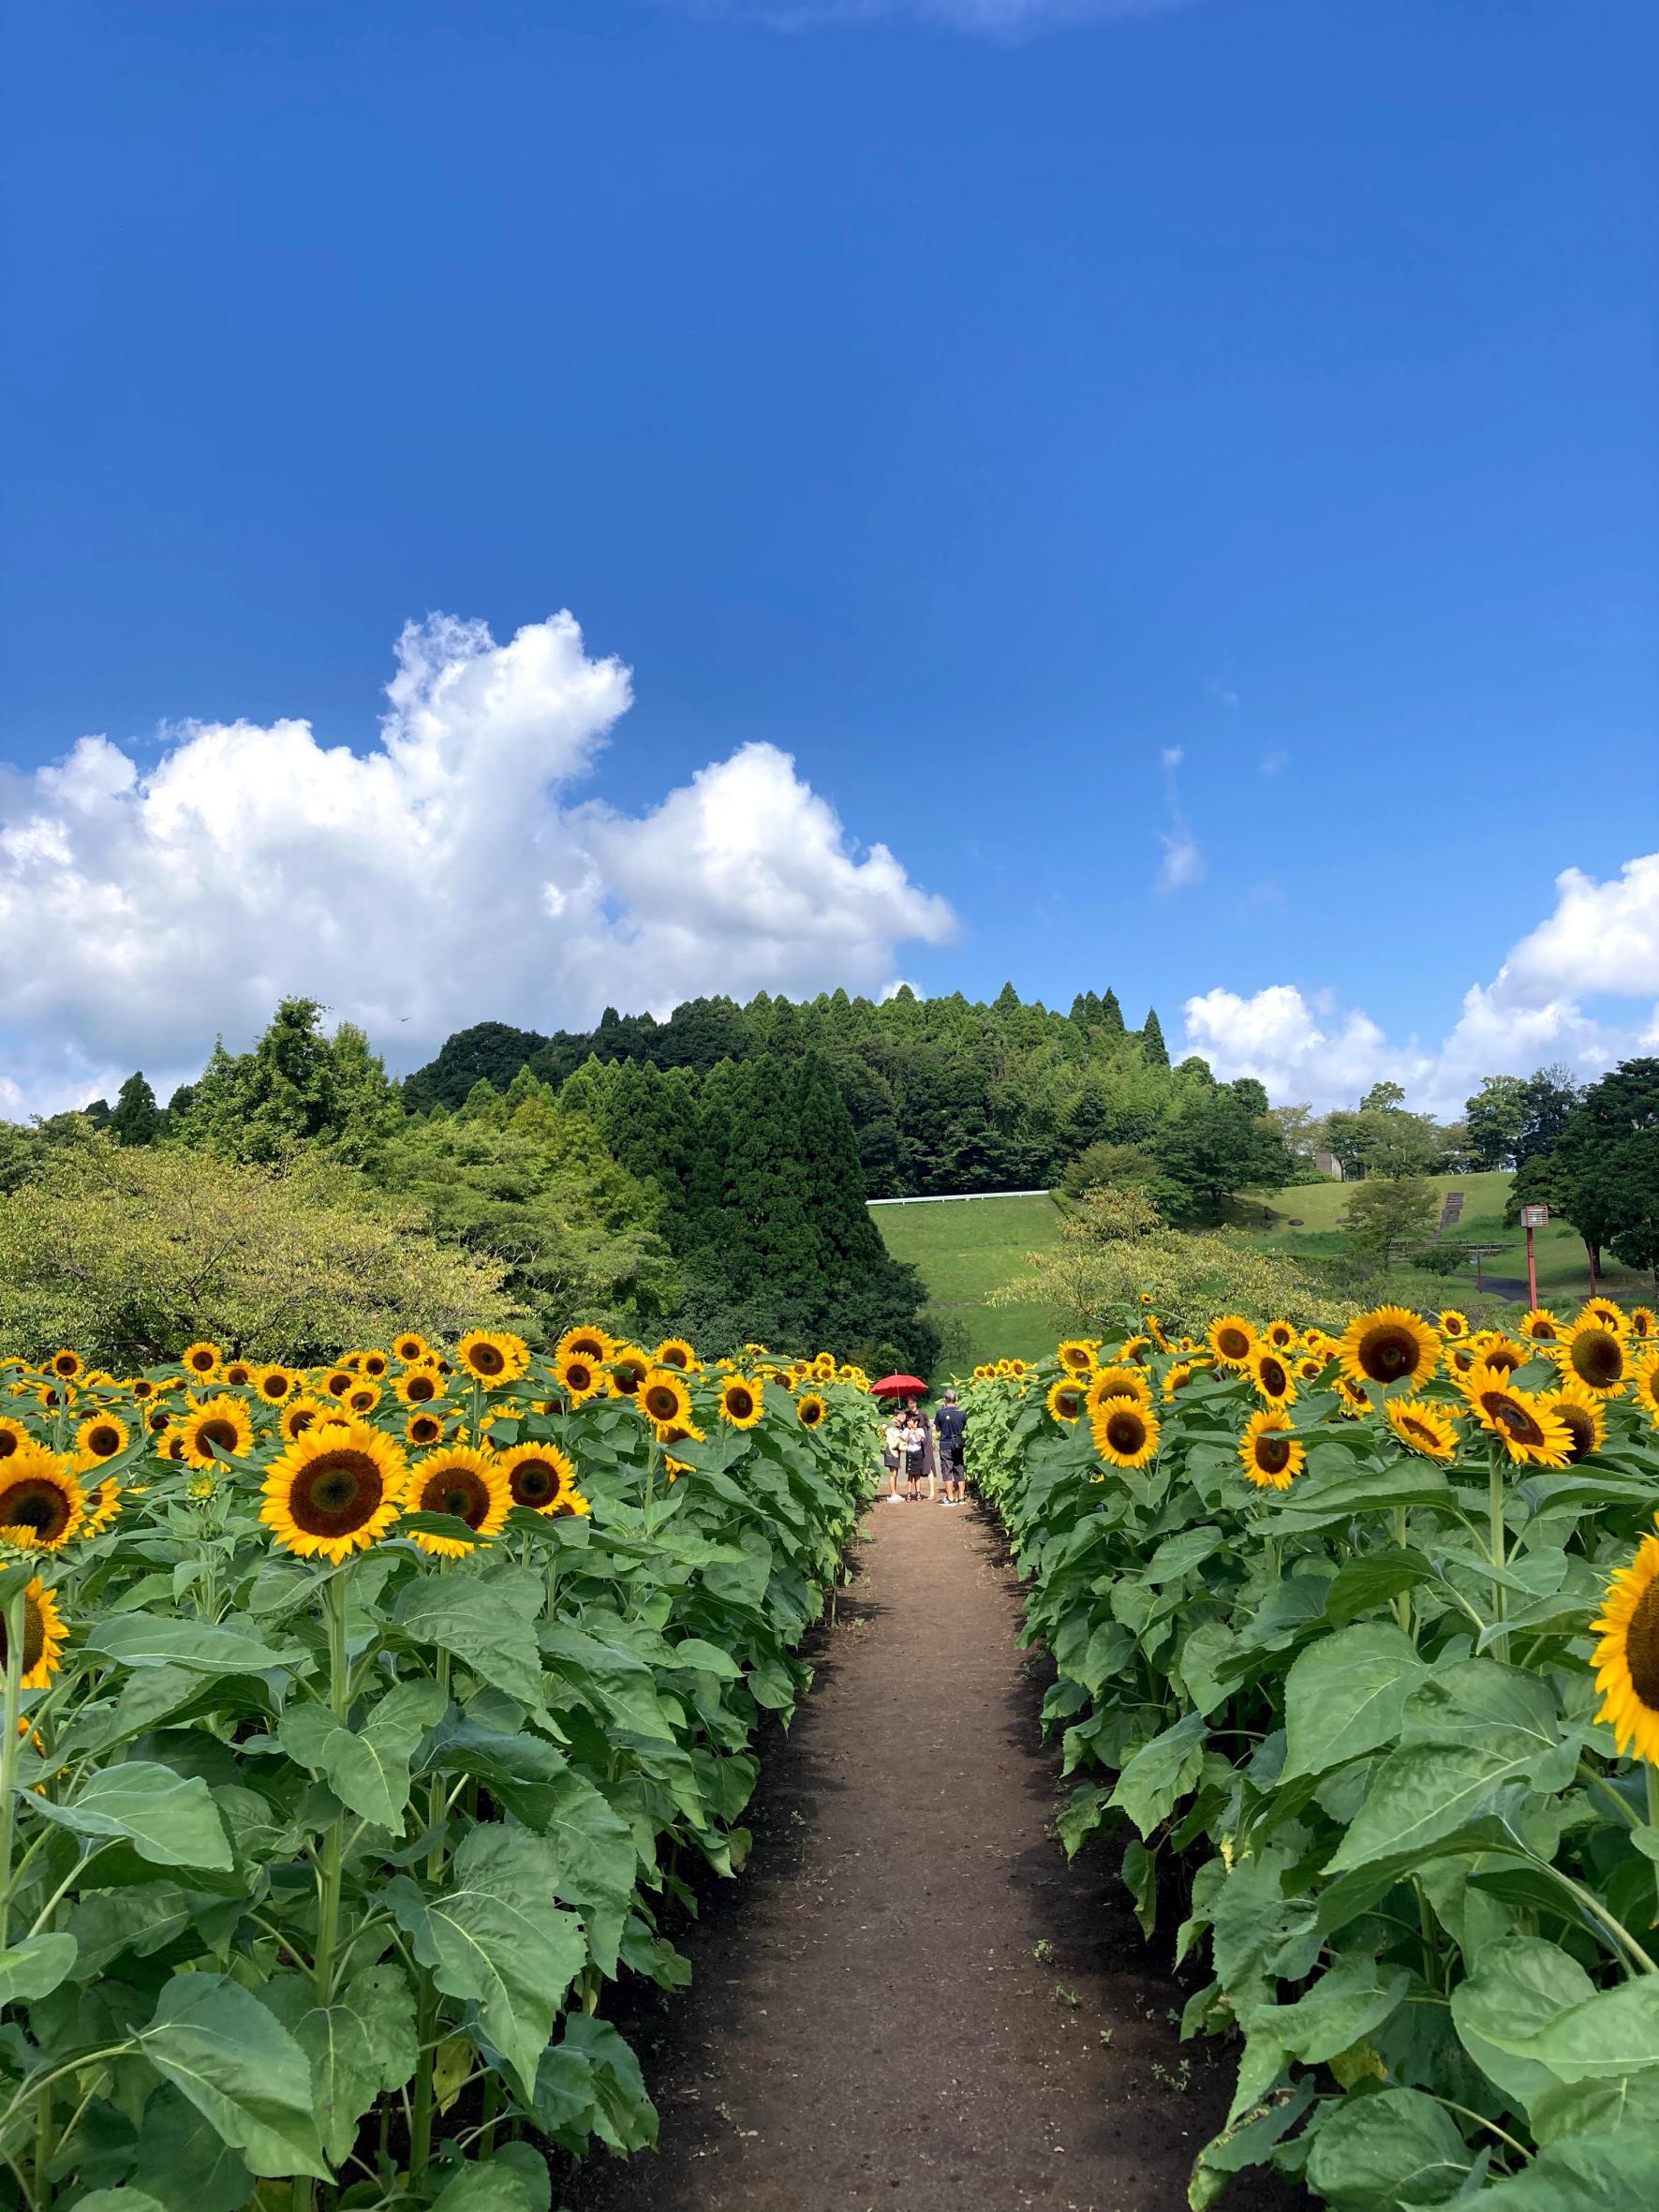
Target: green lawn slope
[[966, 1248]]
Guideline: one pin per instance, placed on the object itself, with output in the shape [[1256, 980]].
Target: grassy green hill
[[966, 1248]]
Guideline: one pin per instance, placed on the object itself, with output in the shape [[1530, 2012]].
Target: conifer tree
[[1152, 1043], [1111, 1014], [137, 1118]]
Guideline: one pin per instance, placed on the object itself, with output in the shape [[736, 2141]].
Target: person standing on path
[[915, 1453], [950, 1424]]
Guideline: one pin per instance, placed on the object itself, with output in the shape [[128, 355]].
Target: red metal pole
[[1531, 1271]]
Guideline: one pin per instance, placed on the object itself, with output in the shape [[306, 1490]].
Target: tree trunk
[[1594, 1251]]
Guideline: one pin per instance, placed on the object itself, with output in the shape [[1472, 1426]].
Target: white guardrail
[[956, 1198]]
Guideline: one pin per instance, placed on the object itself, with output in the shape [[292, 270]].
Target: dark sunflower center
[[237, 1377], [486, 1359], [375, 1366], [1515, 1421], [8, 1443], [336, 1495], [1126, 1432], [812, 1415], [1599, 1359], [456, 1490], [65, 1363], [424, 1429], [421, 1387], [1234, 1342], [202, 1362], [1272, 1454], [578, 1374], [1641, 1648], [661, 1403], [628, 1380], [103, 1441], [533, 1482], [39, 1506], [673, 1357], [221, 1433], [1580, 1427], [740, 1404], [34, 1637], [1387, 1354], [1274, 1379]]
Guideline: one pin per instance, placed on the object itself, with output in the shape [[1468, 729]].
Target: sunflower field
[[360, 1726], [1357, 1645]]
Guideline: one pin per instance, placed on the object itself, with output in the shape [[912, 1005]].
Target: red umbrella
[[899, 1386]]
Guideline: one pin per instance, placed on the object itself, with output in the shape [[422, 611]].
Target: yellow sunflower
[[463, 1481], [335, 1491], [1353, 1398], [1389, 1344], [1539, 1326], [100, 1438], [1271, 1375], [1271, 1456], [202, 1360], [141, 1389], [419, 1385], [1310, 1367], [1231, 1339], [1497, 1350], [1530, 1431], [741, 1402], [811, 1408], [373, 1364], [66, 1365], [539, 1475], [1603, 1311], [673, 1351], [1644, 1323], [1133, 1347], [300, 1415], [275, 1386], [408, 1348], [1066, 1400], [629, 1366], [102, 1506], [1645, 1390], [361, 1399], [591, 1344], [13, 1436], [41, 1503], [579, 1376], [1453, 1324], [44, 1636], [664, 1396], [337, 1381], [1116, 1382], [236, 1375], [217, 1425], [1125, 1431], [1626, 1660], [1600, 1357], [492, 1355], [1078, 1353], [1179, 1375], [422, 1430], [1282, 1335], [1583, 1414], [1423, 1427]]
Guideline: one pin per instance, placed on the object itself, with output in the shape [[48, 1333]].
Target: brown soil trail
[[909, 1999]]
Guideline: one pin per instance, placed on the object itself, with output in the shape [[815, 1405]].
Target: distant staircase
[[1450, 1211]]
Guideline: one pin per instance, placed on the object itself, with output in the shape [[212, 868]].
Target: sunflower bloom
[[218, 1425], [492, 1356], [1626, 1660], [539, 1476], [335, 1491], [1065, 1399], [741, 1400], [591, 1344], [1423, 1427], [811, 1408], [43, 1637], [1125, 1431], [41, 1503], [673, 1351], [1271, 1455], [1539, 1326], [1270, 1376], [100, 1438], [1116, 1382], [1584, 1415], [1597, 1356], [664, 1396], [1529, 1431], [1453, 1324], [202, 1359], [1231, 1339], [1389, 1344], [465, 1482], [1077, 1355]]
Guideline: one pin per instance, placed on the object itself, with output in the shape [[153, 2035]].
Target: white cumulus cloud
[[1601, 943], [443, 877]]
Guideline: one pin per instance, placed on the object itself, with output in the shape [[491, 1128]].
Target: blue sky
[[984, 404]]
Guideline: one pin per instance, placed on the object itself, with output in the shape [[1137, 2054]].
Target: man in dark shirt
[[951, 1422]]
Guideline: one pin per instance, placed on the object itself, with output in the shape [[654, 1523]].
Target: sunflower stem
[[328, 1911], [426, 2021], [17, 1618], [1498, 1550], [1403, 1603]]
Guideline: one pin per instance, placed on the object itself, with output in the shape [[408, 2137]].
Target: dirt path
[[910, 2000]]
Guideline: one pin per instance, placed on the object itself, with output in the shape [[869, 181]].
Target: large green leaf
[[232, 2056], [1342, 2006], [1386, 2153], [465, 1615], [1611, 2172], [1518, 1986], [1614, 2032], [513, 2179], [367, 1769], [1160, 1773], [1346, 1694], [34, 1967], [360, 2045], [591, 2084], [1425, 1791], [492, 1938], [170, 1820], [159, 1639]]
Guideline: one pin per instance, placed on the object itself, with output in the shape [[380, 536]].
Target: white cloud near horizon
[[444, 877], [1601, 943]]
